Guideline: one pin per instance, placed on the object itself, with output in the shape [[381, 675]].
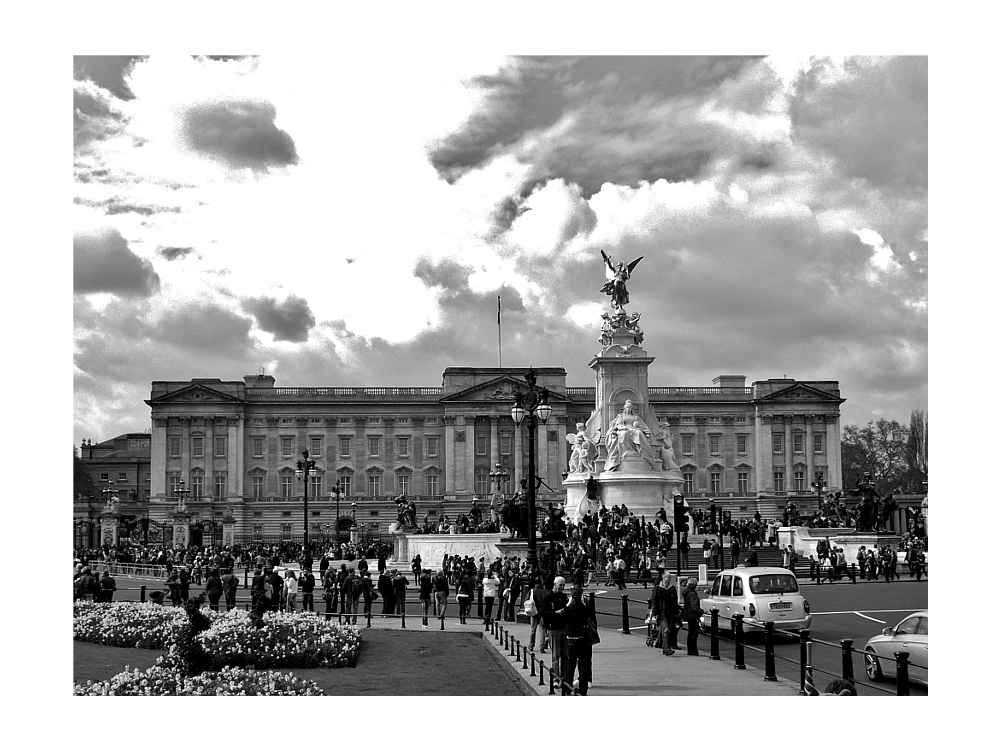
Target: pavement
[[623, 664]]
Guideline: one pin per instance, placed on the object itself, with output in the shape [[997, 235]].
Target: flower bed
[[287, 640], [160, 680]]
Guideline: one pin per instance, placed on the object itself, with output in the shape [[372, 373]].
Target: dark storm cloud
[[240, 133], [600, 145], [103, 262], [449, 274], [173, 253], [873, 120], [289, 320], [107, 71]]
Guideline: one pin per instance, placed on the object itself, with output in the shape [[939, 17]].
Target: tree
[[879, 449], [916, 451]]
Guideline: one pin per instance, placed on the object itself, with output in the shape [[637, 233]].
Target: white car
[[909, 636], [760, 595]]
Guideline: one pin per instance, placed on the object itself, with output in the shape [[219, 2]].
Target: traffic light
[[680, 514]]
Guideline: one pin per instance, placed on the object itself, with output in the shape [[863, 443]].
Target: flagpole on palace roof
[[499, 334]]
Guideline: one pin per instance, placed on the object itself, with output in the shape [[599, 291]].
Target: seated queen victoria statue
[[628, 434]]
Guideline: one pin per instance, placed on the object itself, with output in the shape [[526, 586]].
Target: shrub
[[160, 680]]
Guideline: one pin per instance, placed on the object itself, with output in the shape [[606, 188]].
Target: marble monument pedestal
[[433, 547], [642, 489]]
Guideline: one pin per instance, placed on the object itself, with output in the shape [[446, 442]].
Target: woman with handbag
[[691, 613], [578, 636]]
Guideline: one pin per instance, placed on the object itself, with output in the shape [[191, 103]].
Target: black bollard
[[532, 665], [902, 672], [402, 618], [524, 655], [552, 683], [854, 573], [625, 614], [142, 594], [246, 574], [592, 606], [479, 601], [740, 662], [541, 669], [848, 659], [769, 674], [803, 659], [715, 635], [368, 616]]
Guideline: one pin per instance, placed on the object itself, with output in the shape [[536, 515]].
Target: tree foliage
[[880, 449]]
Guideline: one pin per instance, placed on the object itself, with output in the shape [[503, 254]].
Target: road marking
[[855, 612], [870, 618]]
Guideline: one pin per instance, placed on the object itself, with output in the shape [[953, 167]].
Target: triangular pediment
[[196, 393], [498, 390], [801, 393]]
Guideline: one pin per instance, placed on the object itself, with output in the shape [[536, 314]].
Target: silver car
[[910, 637]]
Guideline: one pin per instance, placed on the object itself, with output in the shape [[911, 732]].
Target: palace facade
[[234, 445]]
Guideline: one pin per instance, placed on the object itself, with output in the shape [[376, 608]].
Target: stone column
[[186, 450], [182, 528], [209, 454], [835, 480], [470, 453], [519, 470], [449, 456], [236, 436], [808, 447], [494, 440], [789, 456], [158, 460], [109, 528], [360, 458], [765, 461], [389, 455], [417, 456]]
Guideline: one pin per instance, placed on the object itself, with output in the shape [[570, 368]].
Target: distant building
[[117, 468], [234, 444]]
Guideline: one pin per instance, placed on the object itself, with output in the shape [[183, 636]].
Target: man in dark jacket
[[307, 585], [691, 614], [277, 583], [538, 595], [230, 583], [665, 608], [555, 624]]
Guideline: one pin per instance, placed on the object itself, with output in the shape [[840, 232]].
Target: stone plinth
[[803, 540], [109, 528], [433, 547], [182, 529]]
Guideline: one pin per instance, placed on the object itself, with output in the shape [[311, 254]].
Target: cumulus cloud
[[289, 319], [240, 133], [173, 253], [103, 262]]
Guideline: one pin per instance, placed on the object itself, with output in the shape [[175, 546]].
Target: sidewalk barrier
[[846, 645], [142, 594], [524, 654], [854, 573], [714, 654], [769, 672], [625, 628], [740, 656], [479, 601], [805, 657], [902, 672]]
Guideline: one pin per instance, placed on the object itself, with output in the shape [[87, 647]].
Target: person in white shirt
[[291, 590]]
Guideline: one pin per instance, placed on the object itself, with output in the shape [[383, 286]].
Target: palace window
[[799, 477], [174, 482], [715, 482], [798, 441], [316, 446], [286, 531], [197, 447], [345, 484], [688, 483], [480, 445], [220, 483], [817, 442], [374, 485], [374, 445], [482, 481], [286, 447], [743, 482], [258, 530], [258, 447], [105, 477], [175, 447], [316, 486], [345, 447], [220, 447], [432, 447], [713, 444], [403, 446], [286, 485], [777, 442], [779, 480], [432, 484], [741, 444], [197, 485], [687, 445], [122, 476], [257, 483], [505, 443], [403, 484]]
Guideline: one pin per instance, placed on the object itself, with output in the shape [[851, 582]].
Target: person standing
[[466, 590], [415, 565], [665, 609], [213, 587], [399, 584], [706, 552], [539, 594], [426, 592], [308, 585], [691, 614], [441, 595], [277, 586], [367, 589], [385, 590], [230, 583], [490, 585], [108, 587], [579, 650], [291, 590], [554, 623]]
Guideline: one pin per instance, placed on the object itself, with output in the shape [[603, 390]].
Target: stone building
[[234, 444]]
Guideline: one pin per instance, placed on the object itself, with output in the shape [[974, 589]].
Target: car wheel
[[873, 667]]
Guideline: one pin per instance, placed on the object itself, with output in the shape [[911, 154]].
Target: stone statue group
[[627, 435]]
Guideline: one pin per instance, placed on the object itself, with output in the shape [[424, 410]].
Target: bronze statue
[[615, 286]]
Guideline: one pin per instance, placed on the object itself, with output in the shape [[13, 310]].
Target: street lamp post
[[531, 407], [304, 470], [499, 475], [336, 492], [820, 486], [354, 520]]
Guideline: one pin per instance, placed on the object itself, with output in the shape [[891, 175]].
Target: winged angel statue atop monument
[[615, 286], [583, 456]]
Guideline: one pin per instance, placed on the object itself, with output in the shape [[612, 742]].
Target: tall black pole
[[305, 512], [532, 549]]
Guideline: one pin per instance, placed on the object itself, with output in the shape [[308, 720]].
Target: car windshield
[[773, 583]]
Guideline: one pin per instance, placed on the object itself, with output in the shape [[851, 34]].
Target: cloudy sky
[[352, 223]]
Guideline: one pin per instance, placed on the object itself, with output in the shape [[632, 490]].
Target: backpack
[[357, 587], [529, 605]]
